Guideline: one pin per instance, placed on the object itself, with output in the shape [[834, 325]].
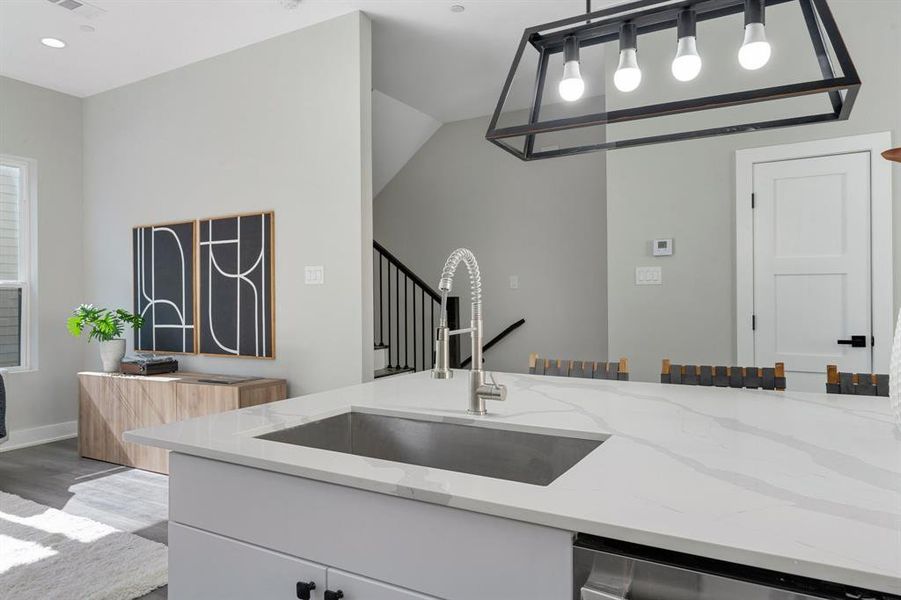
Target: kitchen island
[[807, 485]]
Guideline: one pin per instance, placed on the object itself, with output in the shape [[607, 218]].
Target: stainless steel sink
[[534, 458]]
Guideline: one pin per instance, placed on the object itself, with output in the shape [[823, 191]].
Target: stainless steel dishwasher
[[606, 569]]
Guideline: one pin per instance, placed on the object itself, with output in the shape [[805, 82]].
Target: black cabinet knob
[[330, 595], [305, 589]]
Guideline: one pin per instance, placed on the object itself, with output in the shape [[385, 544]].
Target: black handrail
[[406, 271], [409, 344], [495, 340]]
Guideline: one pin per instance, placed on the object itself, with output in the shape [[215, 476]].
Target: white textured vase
[[895, 374], [111, 354]]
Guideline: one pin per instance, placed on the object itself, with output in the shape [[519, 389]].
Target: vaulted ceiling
[[446, 64]]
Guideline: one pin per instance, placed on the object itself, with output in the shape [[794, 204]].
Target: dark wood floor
[[127, 499]]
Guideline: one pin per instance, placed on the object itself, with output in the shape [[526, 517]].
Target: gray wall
[[544, 221], [269, 126], [398, 131], [46, 126], [686, 190]]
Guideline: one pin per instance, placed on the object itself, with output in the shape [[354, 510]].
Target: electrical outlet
[[514, 282], [648, 276], [314, 275]]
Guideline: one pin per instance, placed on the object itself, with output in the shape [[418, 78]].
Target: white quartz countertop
[[807, 484]]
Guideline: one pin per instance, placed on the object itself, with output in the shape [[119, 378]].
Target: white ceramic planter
[[111, 354]]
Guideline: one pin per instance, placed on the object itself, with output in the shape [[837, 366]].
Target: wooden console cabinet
[[112, 403]]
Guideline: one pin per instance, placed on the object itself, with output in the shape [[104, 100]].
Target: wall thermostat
[[663, 247]]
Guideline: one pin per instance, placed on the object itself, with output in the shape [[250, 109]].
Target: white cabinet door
[[812, 265], [355, 587], [206, 565]]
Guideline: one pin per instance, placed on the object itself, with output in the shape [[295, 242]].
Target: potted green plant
[[105, 326]]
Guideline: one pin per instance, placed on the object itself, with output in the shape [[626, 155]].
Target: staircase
[[407, 309]]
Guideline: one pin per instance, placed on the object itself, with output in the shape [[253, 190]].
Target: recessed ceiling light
[[53, 42], [88, 28], [457, 8]]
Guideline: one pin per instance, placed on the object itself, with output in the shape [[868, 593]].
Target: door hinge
[[753, 201], [753, 322], [872, 341]]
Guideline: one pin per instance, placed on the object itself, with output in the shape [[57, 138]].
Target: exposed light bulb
[[628, 76], [755, 50], [571, 87], [687, 64]]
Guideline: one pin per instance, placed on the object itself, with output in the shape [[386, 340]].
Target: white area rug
[[47, 554]]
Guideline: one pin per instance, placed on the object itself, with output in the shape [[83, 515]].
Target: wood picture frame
[[236, 259], [169, 308]]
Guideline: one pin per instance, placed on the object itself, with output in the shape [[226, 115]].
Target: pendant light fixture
[[687, 64], [622, 24], [571, 87], [755, 50], [628, 75]]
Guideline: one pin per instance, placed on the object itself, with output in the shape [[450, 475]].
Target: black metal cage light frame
[[648, 16]]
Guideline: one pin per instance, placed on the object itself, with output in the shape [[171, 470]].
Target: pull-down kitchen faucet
[[479, 391]]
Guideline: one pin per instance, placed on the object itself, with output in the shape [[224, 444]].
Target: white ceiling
[[445, 64]]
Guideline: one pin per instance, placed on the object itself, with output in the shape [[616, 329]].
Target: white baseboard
[[22, 438]]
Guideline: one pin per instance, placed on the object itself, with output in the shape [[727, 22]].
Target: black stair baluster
[[413, 298], [376, 301], [406, 328], [381, 306], [431, 331], [397, 314], [422, 316]]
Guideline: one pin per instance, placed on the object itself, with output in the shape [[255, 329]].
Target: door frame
[[880, 234]]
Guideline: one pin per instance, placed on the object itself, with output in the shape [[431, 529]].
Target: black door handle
[[330, 595], [304, 589], [856, 341]]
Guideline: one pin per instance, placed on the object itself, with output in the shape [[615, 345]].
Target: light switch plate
[[514, 282], [648, 276], [314, 275]]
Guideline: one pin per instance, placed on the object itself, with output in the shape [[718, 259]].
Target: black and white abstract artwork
[[163, 260], [236, 286]]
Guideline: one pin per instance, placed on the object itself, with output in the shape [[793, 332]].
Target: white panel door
[[812, 283], [355, 587]]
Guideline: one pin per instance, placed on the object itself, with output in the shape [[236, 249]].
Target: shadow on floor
[[56, 476]]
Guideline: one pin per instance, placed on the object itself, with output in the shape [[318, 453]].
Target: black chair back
[[767, 378], [579, 368], [855, 384]]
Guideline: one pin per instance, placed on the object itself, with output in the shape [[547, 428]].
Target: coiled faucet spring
[[475, 281]]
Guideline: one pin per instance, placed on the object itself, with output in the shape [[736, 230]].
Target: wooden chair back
[[579, 368], [767, 378], [858, 384]]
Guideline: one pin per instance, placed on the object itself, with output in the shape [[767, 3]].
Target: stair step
[[380, 358], [389, 371], [380, 346]]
